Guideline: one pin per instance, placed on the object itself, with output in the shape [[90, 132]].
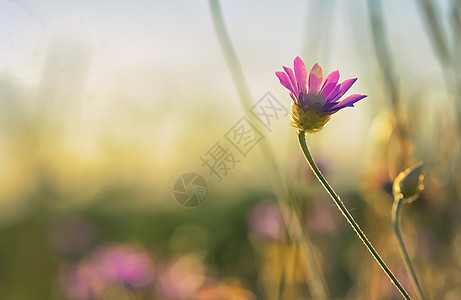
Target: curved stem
[[314, 276], [403, 250], [347, 215]]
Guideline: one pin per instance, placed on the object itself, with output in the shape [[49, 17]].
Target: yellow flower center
[[308, 120]]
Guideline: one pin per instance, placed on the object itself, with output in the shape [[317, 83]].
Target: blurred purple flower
[[265, 221], [321, 217], [121, 265], [124, 264], [312, 108]]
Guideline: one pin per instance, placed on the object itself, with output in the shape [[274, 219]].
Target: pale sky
[[146, 66]]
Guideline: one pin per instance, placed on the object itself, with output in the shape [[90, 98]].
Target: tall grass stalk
[[447, 55], [391, 85], [314, 277]]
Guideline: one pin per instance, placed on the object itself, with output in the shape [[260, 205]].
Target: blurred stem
[[456, 27], [440, 43], [403, 250], [314, 277], [278, 286], [386, 66], [230, 55], [431, 17], [347, 215], [316, 39], [436, 32]]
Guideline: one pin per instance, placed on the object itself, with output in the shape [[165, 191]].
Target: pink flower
[[124, 264], [266, 222], [315, 99]]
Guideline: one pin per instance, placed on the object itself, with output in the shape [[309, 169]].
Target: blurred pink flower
[[265, 221], [125, 264], [321, 217], [122, 265]]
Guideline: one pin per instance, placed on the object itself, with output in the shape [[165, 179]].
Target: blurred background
[[105, 105]]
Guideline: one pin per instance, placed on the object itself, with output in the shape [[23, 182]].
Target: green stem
[[403, 250], [347, 215], [314, 276]]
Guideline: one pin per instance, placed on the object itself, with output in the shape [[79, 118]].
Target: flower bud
[[409, 183]]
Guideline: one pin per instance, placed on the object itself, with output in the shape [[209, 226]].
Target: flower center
[[313, 101]]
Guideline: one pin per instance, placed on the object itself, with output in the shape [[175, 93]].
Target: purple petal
[[330, 83], [294, 98], [343, 88], [285, 80], [301, 75], [333, 93], [293, 80], [315, 78], [348, 101]]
